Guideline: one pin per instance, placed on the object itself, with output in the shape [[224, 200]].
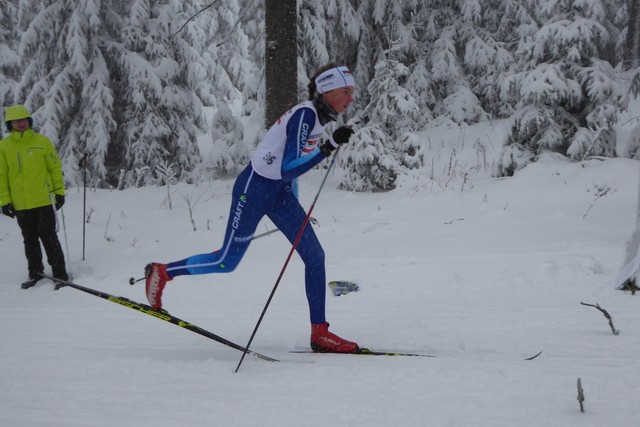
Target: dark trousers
[[39, 225]]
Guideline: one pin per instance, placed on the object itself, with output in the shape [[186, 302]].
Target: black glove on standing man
[[8, 210], [59, 201]]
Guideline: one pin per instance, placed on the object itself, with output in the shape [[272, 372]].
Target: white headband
[[334, 78]]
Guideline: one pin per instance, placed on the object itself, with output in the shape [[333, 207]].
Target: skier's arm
[[299, 128]]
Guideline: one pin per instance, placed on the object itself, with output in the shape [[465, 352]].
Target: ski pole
[[64, 226], [64, 229], [286, 263], [266, 233], [133, 280], [312, 220], [83, 165]]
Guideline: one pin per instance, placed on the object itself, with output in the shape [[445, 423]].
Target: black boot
[[59, 272], [61, 285], [30, 282]]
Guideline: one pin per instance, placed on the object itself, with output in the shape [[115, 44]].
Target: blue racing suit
[[288, 149]]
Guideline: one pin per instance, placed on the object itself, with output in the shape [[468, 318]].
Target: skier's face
[[19, 125], [339, 99]]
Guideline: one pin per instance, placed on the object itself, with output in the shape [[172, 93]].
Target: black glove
[[340, 136], [8, 210], [59, 201]]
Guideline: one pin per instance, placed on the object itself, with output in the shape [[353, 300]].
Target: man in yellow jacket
[[30, 177]]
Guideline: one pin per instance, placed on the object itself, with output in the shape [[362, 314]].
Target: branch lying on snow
[[534, 356], [606, 314], [453, 220]]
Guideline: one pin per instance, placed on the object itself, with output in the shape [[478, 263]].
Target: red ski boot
[[156, 278], [323, 341]]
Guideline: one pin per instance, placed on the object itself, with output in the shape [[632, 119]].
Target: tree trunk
[[281, 56], [632, 44]]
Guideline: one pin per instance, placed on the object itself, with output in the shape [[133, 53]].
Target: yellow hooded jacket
[[30, 170]]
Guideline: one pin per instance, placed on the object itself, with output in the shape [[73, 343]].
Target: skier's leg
[[249, 200], [289, 218]]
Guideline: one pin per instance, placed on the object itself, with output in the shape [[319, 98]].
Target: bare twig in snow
[[580, 395], [106, 230], [606, 314], [88, 217], [600, 192], [190, 206], [534, 356], [465, 176], [453, 220]]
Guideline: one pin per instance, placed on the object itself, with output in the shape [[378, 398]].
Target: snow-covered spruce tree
[[240, 54], [373, 156], [320, 44], [368, 165], [223, 73], [566, 99], [312, 38], [632, 67], [95, 118], [366, 56], [218, 43], [194, 44], [399, 96], [159, 114], [486, 57], [414, 54], [63, 79], [10, 64], [455, 99], [253, 91], [229, 154], [398, 27]]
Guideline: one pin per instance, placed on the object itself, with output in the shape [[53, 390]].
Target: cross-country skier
[[290, 148]]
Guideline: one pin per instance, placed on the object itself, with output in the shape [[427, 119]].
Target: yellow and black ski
[[158, 314]]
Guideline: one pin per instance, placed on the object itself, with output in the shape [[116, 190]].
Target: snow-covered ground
[[478, 271]]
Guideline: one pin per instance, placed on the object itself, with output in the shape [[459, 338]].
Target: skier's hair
[[313, 90]]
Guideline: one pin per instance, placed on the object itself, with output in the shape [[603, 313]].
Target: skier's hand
[[8, 210], [59, 201], [340, 136]]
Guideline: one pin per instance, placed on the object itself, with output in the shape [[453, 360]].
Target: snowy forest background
[[120, 82]]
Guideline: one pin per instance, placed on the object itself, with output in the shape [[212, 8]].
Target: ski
[[369, 352], [159, 314]]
